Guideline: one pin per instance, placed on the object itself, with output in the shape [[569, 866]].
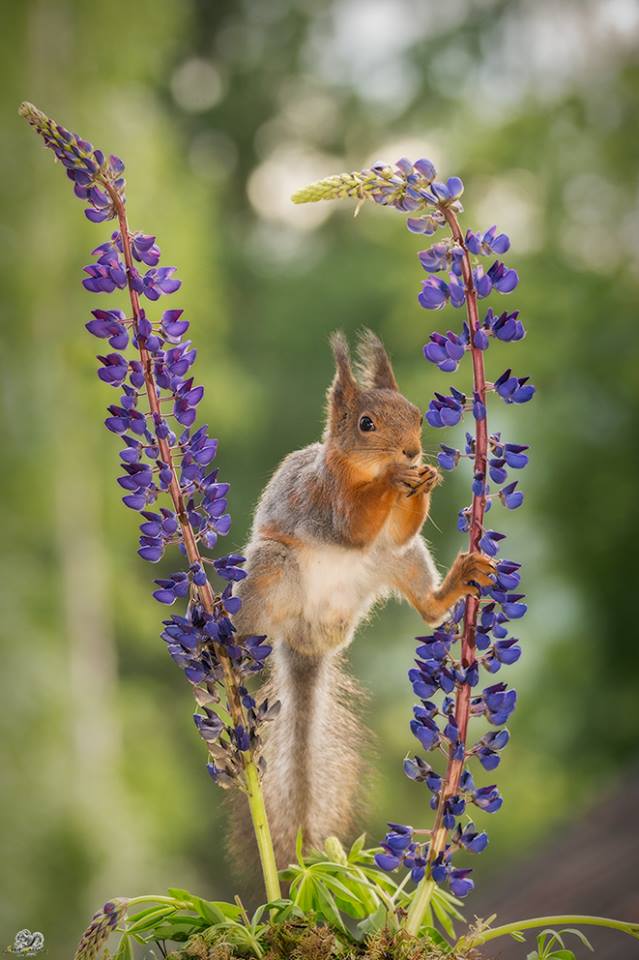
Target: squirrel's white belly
[[339, 584]]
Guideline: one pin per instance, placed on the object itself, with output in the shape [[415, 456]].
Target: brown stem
[[450, 785], [462, 703]]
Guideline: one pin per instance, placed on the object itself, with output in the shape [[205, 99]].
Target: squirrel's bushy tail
[[314, 756], [313, 750]]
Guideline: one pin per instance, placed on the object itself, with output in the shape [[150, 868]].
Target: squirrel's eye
[[366, 425]]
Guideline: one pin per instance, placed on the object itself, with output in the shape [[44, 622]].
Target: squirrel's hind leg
[[271, 594]]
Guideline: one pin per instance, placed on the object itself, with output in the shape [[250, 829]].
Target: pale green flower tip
[[305, 195], [336, 187], [31, 113]]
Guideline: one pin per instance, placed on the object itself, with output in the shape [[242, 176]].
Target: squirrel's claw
[[419, 479], [477, 570]]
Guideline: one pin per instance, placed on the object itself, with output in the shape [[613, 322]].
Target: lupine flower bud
[[102, 925]]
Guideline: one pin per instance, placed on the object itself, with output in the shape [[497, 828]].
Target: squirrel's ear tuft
[[374, 368], [344, 386]]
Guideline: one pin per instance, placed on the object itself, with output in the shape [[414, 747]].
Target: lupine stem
[[255, 796], [205, 592], [455, 769], [507, 929]]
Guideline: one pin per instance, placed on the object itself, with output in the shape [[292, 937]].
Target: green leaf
[[151, 918], [171, 933], [143, 913], [449, 903], [562, 955], [328, 907], [259, 913], [351, 887], [443, 917], [435, 937], [304, 893], [428, 919], [299, 847], [381, 880], [285, 910], [357, 848], [374, 922], [337, 886], [183, 895], [211, 911], [281, 908], [580, 936], [171, 928], [549, 938]]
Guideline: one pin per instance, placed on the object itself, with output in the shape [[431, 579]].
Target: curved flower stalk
[[477, 636], [167, 476]]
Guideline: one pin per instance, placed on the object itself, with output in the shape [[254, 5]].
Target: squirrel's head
[[368, 419]]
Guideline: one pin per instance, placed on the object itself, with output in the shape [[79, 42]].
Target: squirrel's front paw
[[415, 479], [430, 477]]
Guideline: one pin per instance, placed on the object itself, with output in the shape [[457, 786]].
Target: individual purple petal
[[460, 883], [479, 408], [489, 542], [510, 496], [480, 339], [434, 294], [387, 862], [435, 352], [440, 190], [503, 278], [500, 244], [98, 216], [426, 168], [507, 651], [435, 258], [524, 392], [456, 291], [483, 283], [171, 324], [513, 608], [515, 456], [114, 369], [455, 187], [448, 458]]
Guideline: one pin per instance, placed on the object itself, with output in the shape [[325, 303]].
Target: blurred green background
[[220, 111]]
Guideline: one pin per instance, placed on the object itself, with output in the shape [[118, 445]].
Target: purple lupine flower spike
[[166, 461], [476, 639]]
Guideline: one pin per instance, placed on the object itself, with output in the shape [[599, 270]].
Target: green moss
[[301, 939]]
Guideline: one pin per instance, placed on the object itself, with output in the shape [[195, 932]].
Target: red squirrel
[[337, 530]]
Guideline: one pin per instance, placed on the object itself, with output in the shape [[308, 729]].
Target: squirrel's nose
[[411, 453]]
